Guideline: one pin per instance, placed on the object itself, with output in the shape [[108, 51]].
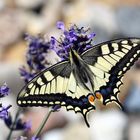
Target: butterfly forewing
[[46, 82], [109, 61]]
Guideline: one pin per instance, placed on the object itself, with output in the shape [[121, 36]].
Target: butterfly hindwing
[[109, 61]]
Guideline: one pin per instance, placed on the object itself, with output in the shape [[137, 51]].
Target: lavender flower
[[27, 125], [35, 56], [37, 49], [8, 121], [4, 90], [16, 124], [26, 75], [76, 38], [4, 112], [20, 125]]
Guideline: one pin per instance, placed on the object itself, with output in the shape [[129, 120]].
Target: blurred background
[[109, 19]]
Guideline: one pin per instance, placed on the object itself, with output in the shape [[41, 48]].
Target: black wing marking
[[56, 86], [109, 61]]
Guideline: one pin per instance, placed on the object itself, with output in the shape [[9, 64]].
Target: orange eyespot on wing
[[91, 99], [98, 95]]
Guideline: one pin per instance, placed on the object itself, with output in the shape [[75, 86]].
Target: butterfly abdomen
[[82, 72]]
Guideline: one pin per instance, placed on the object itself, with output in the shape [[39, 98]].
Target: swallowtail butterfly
[[75, 83]]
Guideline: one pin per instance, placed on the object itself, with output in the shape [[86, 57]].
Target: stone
[[128, 20], [11, 27]]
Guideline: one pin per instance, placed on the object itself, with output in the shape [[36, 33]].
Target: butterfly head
[[73, 56]]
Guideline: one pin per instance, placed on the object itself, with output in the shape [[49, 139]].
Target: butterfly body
[[81, 71], [75, 82]]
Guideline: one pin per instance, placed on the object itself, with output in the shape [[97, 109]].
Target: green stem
[[13, 125], [43, 123]]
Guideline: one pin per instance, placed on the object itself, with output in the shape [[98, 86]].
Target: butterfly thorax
[[81, 71]]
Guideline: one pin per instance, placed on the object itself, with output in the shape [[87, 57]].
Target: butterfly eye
[[91, 99]]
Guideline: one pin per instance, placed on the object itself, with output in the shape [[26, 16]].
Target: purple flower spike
[[78, 39], [20, 125], [8, 121], [4, 90], [4, 112], [27, 76], [60, 25]]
